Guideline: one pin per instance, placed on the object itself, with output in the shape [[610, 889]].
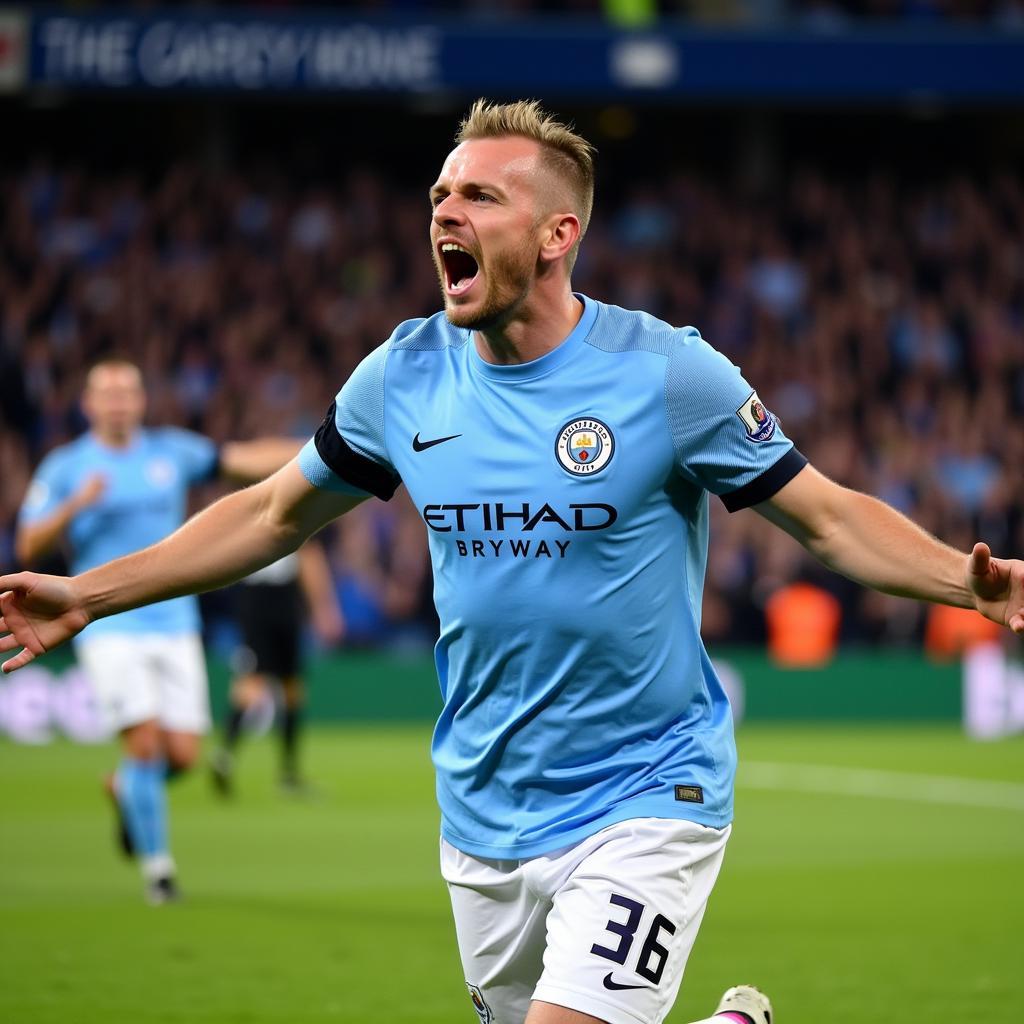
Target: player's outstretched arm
[[873, 544], [246, 462], [232, 538]]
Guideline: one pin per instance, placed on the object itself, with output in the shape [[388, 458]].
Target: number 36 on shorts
[[604, 927]]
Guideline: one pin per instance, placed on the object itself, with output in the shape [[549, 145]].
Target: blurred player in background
[[561, 453], [272, 605], [118, 488]]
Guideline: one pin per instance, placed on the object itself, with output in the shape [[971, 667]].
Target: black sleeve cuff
[[349, 465], [770, 482]]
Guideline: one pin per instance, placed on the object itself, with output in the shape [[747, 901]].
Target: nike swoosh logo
[[613, 985], [422, 446]]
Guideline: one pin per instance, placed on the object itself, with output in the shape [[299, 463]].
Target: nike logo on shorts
[[615, 986], [422, 446]]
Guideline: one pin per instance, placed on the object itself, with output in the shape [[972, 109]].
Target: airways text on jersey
[[519, 517]]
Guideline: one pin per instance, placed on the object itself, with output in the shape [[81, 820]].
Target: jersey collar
[[547, 363], [128, 449]]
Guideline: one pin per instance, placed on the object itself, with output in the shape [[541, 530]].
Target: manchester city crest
[[161, 472], [584, 446]]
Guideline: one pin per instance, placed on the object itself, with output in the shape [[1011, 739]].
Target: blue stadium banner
[[207, 50]]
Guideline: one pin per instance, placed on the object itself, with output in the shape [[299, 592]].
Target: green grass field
[[850, 896]]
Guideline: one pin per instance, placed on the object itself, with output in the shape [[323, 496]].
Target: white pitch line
[[871, 782]]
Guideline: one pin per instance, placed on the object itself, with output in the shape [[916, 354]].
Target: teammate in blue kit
[[116, 489], [561, 453]]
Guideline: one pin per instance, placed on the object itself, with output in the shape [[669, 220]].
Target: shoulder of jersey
[[632, 328], [59, 461], [72, 450], [150, 434], [432, 332], [158, 436]]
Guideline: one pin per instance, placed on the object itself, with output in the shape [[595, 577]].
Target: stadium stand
[[881, 321]]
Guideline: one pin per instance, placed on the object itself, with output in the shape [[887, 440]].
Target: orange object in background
[[949, 632], [803, 625]]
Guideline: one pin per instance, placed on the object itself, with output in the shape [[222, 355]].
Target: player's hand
[[90, 492], [37, 613], [998, 587], [329, 625]]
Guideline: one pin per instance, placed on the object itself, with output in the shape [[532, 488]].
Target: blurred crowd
[[825, 15], [998, 14], [883, 323]]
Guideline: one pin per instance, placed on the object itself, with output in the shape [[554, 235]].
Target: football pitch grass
[[875, 874]]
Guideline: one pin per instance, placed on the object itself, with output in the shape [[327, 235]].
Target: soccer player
[[271, 617], [561, 453], [118, 488]]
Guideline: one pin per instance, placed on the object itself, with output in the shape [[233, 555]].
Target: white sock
[[725, 1017], [158, 865]]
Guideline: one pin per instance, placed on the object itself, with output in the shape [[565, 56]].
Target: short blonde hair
[[568, 155]]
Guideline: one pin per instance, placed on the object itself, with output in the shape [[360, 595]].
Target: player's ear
[[559, 234]]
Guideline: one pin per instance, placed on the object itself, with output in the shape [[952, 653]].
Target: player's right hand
[[90, 492], [328, 624], [37, 613]]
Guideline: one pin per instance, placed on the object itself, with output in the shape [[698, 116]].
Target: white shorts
[[604, 927], [142, 676]]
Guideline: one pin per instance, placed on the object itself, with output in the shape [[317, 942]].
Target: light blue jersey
[[144, 499], [566, 507]]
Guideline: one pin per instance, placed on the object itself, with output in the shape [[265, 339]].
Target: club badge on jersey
[[757, 420], [161, 473], [585, 446]]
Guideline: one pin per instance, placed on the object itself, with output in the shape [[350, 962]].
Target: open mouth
[[460, 268]]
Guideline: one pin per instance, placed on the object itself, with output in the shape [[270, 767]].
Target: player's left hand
[[998, 587]]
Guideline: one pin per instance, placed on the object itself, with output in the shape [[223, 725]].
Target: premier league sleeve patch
[[479, 1004], [757, 420], [38, 495]]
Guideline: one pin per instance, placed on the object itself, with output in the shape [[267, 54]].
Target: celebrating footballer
[[562, 453]]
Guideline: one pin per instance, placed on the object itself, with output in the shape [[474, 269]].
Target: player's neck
[[114, 439], [538, 327]]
